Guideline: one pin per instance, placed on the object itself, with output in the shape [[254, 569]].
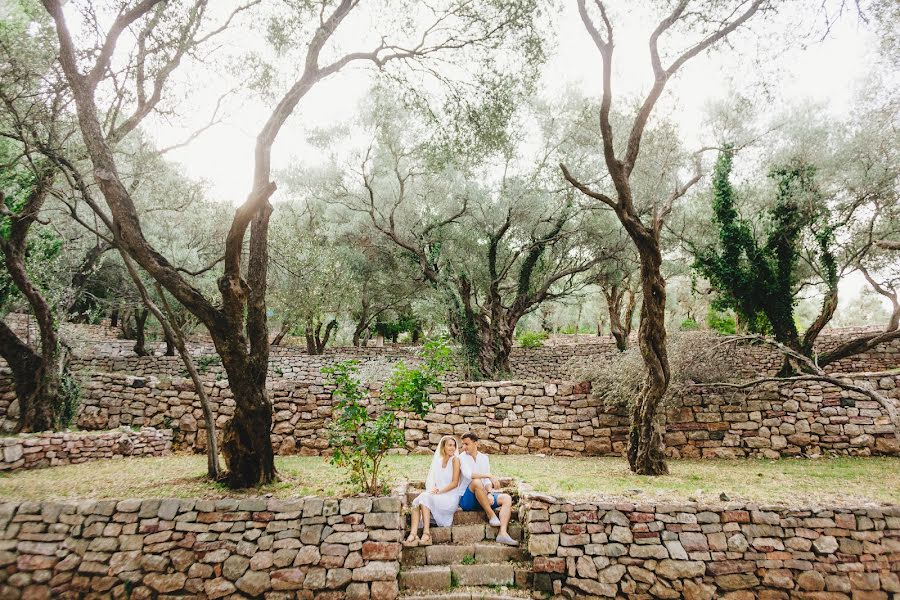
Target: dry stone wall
[[284, 363], [805, 418], [571, 361], [514, 417], [247, 548], [558, 362], [38, 450], [696, 552]]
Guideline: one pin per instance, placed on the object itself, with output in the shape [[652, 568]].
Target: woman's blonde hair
[[444, 443]]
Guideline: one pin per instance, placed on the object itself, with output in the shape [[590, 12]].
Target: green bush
[[69, 398], [721, 322], [532, 339], [362, 432], [689, 325]]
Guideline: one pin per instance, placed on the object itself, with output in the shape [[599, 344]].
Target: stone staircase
[[464, 562]]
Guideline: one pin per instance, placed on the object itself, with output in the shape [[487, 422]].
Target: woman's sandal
[[425, 540], [411, 542]]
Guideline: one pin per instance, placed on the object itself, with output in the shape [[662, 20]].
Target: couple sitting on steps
[[459, 481]]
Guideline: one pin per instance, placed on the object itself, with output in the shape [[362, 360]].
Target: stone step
[[442, 577], [425, 578], [445, 554], [468, 593], [471, 534], [486, 574]]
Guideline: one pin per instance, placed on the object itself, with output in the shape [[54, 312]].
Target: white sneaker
[[494, 521], [505, 539]]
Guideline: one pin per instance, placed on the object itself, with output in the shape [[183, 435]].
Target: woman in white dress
[[441, 496]]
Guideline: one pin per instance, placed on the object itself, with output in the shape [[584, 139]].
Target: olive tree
[[698, 26], [830, 197], [153, 38], [495, 236]]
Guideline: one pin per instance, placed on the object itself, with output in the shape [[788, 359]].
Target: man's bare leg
[[484, 499], [505, 512], [503, 536]]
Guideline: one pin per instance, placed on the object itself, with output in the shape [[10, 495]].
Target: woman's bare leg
[[414, 524], [426, 522]]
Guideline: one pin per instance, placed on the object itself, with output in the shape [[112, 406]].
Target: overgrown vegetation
[[69, 399], [619, 382], [721, 322], [533, 339], [759, 279], [366, 427]]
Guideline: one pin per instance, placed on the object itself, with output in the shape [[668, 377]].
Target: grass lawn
[[843, 481]]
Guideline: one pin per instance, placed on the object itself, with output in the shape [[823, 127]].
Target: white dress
[[442, 506]]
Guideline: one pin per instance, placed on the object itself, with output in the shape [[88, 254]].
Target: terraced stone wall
[[557, 362], [699, 553], [50, 449], [285, 364], [571, 361], [806, 418], [248, 548], [514, 417]]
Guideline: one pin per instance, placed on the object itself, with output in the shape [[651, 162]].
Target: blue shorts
[[468, 501]]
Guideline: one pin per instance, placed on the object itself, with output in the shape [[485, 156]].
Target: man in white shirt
[[475, 474]]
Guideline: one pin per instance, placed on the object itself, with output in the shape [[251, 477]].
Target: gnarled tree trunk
[[645, 454], [315, 341], [279, 337], [170, 347], [140, 334], [620, 302], [487, 343], [36, 374], [246, 439], [36, 385]]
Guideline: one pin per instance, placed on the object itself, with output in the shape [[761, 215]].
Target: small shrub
[[532, 339], [619, 382], [689, 325], [69, 398], [468, 559], [363, 431], [721, 322], [203, 363]]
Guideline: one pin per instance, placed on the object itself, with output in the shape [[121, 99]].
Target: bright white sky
[[828, 71]]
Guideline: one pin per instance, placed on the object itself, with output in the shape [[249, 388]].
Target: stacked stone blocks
[[237, 548], [515, 417], [739, 551], [50, 449]]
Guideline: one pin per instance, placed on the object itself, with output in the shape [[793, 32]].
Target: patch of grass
[[836, 481], [841, 480], [179, 476], [468, 559]]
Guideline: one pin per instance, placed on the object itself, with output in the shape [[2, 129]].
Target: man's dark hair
[[470, 436]]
